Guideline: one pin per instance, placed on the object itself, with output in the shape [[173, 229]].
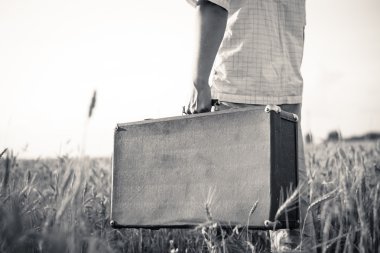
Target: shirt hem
[[222, 3], [259, 100]]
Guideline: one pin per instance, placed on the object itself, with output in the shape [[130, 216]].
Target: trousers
[[285, 240]]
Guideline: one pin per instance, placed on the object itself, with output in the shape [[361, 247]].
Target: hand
[[200, 99]]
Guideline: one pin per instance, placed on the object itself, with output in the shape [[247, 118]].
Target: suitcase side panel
[[284, 168]]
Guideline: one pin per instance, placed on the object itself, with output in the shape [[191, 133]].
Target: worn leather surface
[[166, 170]]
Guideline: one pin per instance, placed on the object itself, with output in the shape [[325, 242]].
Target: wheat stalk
[[253, 208], [2, 153], [209, 201], [92, 104], [288, 202], [318, 201], [7, 170], [334, 193]]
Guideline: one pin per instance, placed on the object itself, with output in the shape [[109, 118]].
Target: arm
[[211, 20]]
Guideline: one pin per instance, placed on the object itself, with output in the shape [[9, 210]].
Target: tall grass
[[344, 192], [62, 205]]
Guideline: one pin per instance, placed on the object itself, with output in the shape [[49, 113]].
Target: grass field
[[63, 205]]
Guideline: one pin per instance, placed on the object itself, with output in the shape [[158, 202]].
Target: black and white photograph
[[174, 126]]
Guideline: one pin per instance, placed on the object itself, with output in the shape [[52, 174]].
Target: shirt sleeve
[[222, 3]]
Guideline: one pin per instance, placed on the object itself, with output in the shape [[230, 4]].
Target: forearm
[[211, 21]]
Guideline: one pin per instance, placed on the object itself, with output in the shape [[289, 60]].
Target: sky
[[137, 56]]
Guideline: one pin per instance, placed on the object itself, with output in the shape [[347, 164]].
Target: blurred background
[[137, 56]]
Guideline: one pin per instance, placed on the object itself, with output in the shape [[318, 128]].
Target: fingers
[[202, 110], [200, 99], [188, 111], [205, 109], [195, 108]]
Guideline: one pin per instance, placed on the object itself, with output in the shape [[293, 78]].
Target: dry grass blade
[[317, 202], [251, 247], [209, 201], [324, 198], [66, 183], [208, 212], [204, 225], [334, 240], [375, 232], [92, 104], [253, 208], [7, 171], [288, 202], [2, 153], [326, 232], [340, 235]]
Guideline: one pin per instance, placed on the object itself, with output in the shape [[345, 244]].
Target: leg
[[308, 234], [283, 239]]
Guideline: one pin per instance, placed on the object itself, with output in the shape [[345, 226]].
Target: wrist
[[201, 83]]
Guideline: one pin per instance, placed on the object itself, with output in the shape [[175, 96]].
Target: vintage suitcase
[[182, 171]]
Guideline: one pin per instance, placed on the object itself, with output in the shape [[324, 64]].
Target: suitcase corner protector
[[272, 224], [118, 128], [114, 224], [272, 108]]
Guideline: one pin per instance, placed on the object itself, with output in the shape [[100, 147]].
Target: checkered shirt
[[260, 56]]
